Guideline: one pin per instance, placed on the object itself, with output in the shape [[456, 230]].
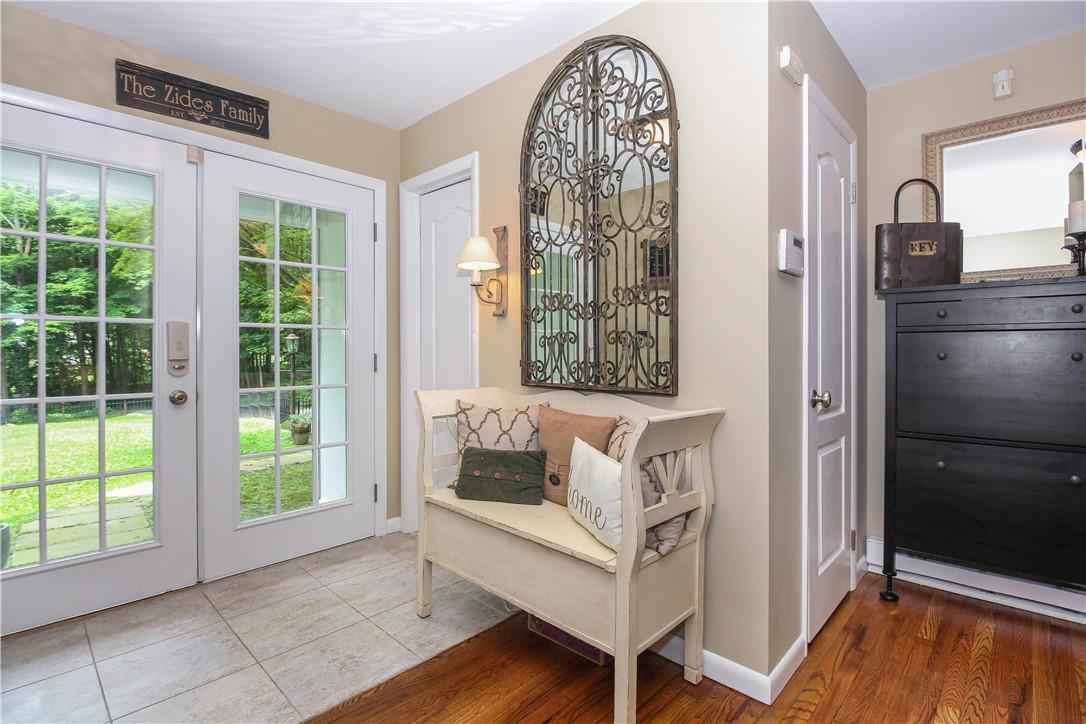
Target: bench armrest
[[678, 444]]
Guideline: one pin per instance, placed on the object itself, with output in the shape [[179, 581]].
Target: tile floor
[[278, 644]]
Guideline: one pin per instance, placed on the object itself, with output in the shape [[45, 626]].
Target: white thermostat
[[790, 253]]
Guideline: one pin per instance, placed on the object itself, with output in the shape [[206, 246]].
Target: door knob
[[179, 397], [825, 399]]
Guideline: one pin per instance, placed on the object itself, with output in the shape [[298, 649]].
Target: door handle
[[825, 399], [179, 397]]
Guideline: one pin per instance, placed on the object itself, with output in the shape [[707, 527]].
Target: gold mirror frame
[[933, 144]]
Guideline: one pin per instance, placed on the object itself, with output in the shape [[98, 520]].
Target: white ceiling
[[887, 41], [392, 63]]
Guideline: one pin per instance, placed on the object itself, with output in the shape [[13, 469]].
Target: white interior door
[[287, 385], [447, 342], [98, 489], [830, 159], [447, 332]]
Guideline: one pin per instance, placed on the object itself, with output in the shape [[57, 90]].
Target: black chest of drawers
[[986, 428]]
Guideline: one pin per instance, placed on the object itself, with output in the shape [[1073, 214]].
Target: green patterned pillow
[[504, 476]]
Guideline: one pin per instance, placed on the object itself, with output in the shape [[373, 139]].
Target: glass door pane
[[292, 302], [79, 467]]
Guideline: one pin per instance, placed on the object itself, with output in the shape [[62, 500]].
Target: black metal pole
[[293, 393], [889, 523]]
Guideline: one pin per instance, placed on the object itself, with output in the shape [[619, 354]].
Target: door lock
[[177, 348], [179, 397], [825, 399]]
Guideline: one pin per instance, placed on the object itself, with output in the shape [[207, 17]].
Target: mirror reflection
[[1010, 194]]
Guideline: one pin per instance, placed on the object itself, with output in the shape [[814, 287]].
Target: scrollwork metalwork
[[599, 190]]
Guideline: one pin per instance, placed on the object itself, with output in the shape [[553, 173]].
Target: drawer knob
[[941, 355], [1076, 480], [1076, 356], [1076, 308], [941, 314], [940, 465]]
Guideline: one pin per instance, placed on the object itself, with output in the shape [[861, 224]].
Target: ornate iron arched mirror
[[598, 194]]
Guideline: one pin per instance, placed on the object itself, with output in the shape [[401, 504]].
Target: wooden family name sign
[[172, 95]]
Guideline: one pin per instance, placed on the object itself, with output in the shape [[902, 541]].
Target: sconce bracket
[[497, 285]]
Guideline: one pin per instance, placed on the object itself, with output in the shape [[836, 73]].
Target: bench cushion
[[548, 524]]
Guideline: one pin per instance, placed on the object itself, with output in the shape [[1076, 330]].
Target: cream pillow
[[594, 495], [497, 428]]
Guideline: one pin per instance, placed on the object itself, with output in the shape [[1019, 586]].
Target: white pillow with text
[[594, 497]]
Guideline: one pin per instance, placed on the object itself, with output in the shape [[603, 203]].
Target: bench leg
[[626, 685], [692, 648], [424, 588]]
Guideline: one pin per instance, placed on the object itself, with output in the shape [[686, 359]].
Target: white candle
[[1076, 217]]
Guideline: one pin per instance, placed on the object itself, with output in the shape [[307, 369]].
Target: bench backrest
[[677, 442]]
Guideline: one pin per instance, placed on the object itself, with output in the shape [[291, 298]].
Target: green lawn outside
[[72, 447], [258, 484], [72, 450]]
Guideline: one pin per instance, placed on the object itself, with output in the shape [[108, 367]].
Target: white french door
[[97, 466], [830, 164], [287, 365]]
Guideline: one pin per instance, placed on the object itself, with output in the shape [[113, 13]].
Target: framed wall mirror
[[1005, 180], [598, 195]]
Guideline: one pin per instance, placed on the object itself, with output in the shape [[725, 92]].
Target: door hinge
[[852, 193], [375, 492], [852, 541], [374, 361], [195, 155], [375, 232]]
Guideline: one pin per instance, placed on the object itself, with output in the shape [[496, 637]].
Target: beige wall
[[46, 55], [1044, 73], [797, 24]]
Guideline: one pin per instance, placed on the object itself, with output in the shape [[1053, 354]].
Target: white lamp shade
[[478, 255]]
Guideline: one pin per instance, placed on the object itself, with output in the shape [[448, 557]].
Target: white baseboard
[[1014, 592], [762, 687], [393, 525], [784, 670]]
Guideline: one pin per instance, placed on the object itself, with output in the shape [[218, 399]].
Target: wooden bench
[[539, 559]]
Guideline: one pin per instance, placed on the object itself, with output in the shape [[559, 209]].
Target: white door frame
[[813, 96], [465, 168], [165, 131]]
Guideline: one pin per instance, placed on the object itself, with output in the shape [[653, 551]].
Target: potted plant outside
[[300, 427]]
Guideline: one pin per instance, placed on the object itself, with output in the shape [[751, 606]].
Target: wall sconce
[[479, 256]]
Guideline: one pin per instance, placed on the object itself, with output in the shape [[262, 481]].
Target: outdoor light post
[[292, 350]]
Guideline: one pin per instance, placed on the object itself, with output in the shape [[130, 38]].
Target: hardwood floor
[[932, 657]]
